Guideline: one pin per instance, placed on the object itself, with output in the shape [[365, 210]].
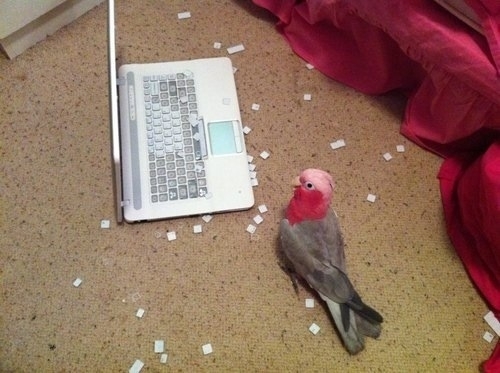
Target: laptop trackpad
[[225, 137]]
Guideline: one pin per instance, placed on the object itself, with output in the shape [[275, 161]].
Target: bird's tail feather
[[367, 327], [352, 339], [365, 310]]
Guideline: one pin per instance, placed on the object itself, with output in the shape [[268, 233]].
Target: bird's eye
[[309, 185]]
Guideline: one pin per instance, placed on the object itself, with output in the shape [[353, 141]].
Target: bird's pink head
[[312, 196]]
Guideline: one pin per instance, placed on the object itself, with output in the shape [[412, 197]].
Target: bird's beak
[[296, 182]]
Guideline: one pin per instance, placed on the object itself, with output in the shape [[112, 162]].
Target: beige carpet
[[224, 286]]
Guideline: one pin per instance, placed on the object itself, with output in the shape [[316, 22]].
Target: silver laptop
[[177, 140]]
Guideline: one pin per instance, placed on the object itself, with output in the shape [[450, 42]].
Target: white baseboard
[[37, 30]]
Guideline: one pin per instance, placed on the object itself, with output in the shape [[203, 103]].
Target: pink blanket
[[377, 46], [470, 190], [489, 14], [450, 74]]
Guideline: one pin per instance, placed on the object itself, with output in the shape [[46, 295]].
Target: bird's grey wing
[[306, 247], [315, 250]]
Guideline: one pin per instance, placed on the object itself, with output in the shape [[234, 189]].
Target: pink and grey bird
[[313, 246]]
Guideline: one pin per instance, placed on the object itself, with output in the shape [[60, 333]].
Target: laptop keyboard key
[[175, 139]]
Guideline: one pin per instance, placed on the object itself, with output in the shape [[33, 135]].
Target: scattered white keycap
[[77, 282], [184, 15], [309, 303], [105, 224], [140, 313], [258, 219], [264, 155], [337, 144], [255, 107], [163, 358], [307, 97], [400, 148], [251, 228], [262, 209], [235, 49], [314, 328], [136, 367], [217, 45], [253, 174], [159, 346], [171, 236], [197, 228], [387, 156], [207, 218], [371, 198], [247, 130], [235, 69], [488, 337], [193, 119], [207, 349], [198, 167], [249, 158], [135, 297], [492, 322], [157, 234], [254, 182], [309, 66], [251, 167]]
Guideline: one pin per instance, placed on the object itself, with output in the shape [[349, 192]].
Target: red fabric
[[470, 190], [493, 364], [470, 193], [449, 73], [414, 45], [489, 13]]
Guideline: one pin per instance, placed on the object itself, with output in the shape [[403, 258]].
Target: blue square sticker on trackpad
[[223, 138]]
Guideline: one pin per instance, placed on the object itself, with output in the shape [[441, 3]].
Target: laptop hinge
[[121, 80]]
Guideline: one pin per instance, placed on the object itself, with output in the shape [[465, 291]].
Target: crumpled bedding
[[489, 14], [446, 69], [470, 191], [450, 74]]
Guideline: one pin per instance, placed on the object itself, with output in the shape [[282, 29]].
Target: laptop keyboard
[[176, 139]]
